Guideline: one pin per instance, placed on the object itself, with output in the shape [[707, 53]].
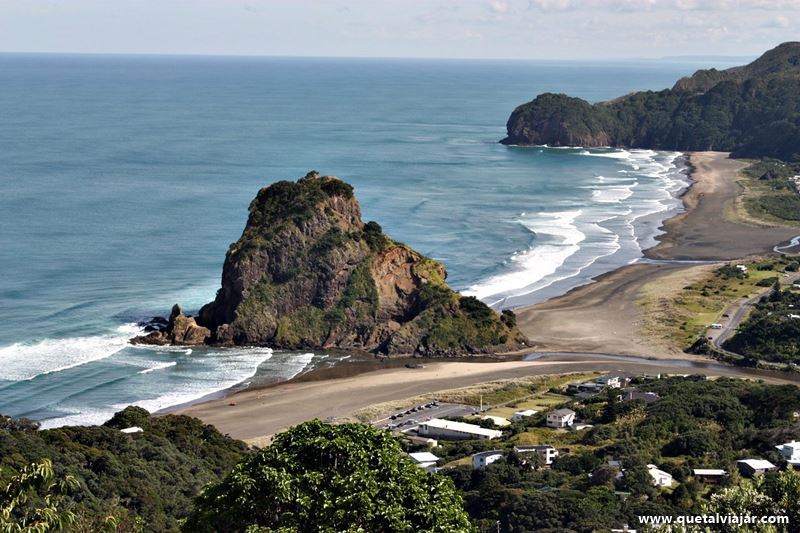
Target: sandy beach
[[605, 316], [711, 228], [253, 415], [602, 317]]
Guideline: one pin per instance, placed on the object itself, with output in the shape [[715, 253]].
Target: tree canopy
[[321, 477]]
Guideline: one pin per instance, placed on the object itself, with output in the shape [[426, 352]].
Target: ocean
[[125, 178]]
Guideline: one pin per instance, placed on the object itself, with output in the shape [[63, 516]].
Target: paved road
[[737, 313]]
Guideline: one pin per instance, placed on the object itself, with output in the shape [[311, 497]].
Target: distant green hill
[[751, 111]]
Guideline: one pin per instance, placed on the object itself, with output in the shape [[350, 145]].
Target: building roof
[[462, 427], [423, 457], [527, 412], [132, 429], [562, 412], [757, 464], [656, 472], [585, 395], [647, 397], [498, 420], [488, 453], [709, 472], [533, 448], [794, 445]]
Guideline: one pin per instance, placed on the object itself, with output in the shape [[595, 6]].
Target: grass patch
[[680, 306], [510, 391], [769, 197], [544, 402], [520, 390], [564, 441]]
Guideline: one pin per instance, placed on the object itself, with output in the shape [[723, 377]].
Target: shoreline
[[708, 229], [596, 322], [645, 230], [254, 415]]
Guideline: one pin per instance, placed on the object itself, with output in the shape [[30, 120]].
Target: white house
[[791, 452], [499, 421], [560, 418], [660, 478], [545, 451], [484, 459], [743, 268], [754, 467], [132, 429], [521, 415], [614, 380], [425, 460], [447, 429]]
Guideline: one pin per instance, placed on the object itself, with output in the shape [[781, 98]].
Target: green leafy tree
[[321, 477], [33, 501], [745, 499]]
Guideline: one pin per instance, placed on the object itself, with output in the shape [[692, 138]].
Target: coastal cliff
[[308, 273], [751, 111]]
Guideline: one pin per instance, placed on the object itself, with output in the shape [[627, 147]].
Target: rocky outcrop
[[750, 111], [180, 329], [308, 273], [558, 120]]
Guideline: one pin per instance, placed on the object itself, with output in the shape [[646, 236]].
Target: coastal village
[[506, 432]]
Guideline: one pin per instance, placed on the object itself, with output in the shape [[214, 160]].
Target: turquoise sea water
[[124, 180]]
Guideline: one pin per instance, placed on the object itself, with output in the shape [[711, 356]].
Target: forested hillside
[[146, 480], [751, 111]]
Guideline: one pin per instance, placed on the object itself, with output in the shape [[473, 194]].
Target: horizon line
[[698, 57]]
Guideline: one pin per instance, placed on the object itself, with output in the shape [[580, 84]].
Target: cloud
[[662, 5], [499, 6], [780, 22]]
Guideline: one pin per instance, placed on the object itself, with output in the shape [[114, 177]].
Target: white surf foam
[[22, 361], [631, 203], [85, 417], [226, 368], [158, 366], [557, 237], [613, 195]]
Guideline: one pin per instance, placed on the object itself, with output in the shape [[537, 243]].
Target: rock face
[[557, 120], [180, 329], [751, 111], [308, 273]]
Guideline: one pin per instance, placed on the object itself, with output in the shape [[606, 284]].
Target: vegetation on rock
[[751, 111], [308, 273]]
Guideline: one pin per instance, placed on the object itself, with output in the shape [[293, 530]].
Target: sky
[[512, 29]]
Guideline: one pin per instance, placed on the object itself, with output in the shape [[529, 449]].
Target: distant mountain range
[[751, 111]]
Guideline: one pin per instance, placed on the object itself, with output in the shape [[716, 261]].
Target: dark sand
[[710, 227], [601, 317]]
